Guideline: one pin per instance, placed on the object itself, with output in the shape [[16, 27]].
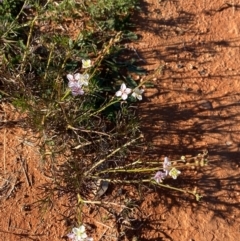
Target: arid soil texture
[[194, 105]]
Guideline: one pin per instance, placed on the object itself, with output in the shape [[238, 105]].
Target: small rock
[[205, 105], [102, 188], [203, 72], [228, 143]]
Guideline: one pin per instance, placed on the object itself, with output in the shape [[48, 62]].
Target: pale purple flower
[[174, 173], [166, 165], [79, 234], [75, 84], [76, 89], [137, 93], [123, 92], [159, 176]]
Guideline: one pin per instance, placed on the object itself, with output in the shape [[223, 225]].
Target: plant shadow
[[181, 116]]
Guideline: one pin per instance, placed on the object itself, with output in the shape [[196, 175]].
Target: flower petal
[[83, 80], [166, 164], [71, 235], [82, 228], [77, 76], [128, 91], [124, 96], [123, 87], [80, 92], [134, 95], [85, 76], [71, 84], [118, 93], [70, 77], [76, 91], [137, 93], [83, 235], [139, 97]]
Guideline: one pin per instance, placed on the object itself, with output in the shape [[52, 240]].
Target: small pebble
[[228, 143], [205, 105]]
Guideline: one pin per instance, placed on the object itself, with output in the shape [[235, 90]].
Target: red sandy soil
[[194, 105]]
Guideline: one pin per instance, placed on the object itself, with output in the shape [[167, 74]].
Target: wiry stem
[[80, 200], [151, 76], [197, 196], [28, 43], [137, 170], [99, 110], [111, 154], [105, 51]]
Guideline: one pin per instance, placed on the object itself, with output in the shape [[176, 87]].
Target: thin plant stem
[[27, 44], [80, 200], [111, 154], [151, 76], [149, 181], [105, 51], [99, 110], [14, 21], [48, 62], [129, 170]]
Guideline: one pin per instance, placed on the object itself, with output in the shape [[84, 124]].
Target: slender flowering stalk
[[137, 93], [79, 234], [123, 92]]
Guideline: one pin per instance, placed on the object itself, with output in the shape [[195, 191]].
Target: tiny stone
[[203, 72], [228, 143], [212, 88], [180, 66], [134, 238], [137, 77], [206, 105]]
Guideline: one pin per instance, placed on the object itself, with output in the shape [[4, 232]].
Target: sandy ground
[[194, 105]]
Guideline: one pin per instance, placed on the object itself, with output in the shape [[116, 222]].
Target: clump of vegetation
[[65, 63]]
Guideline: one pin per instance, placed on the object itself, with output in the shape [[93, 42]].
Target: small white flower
[[123, 92], [83, 79], [183, 158], [174, 173], [137, 93], [79, 234], [86, 63]]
